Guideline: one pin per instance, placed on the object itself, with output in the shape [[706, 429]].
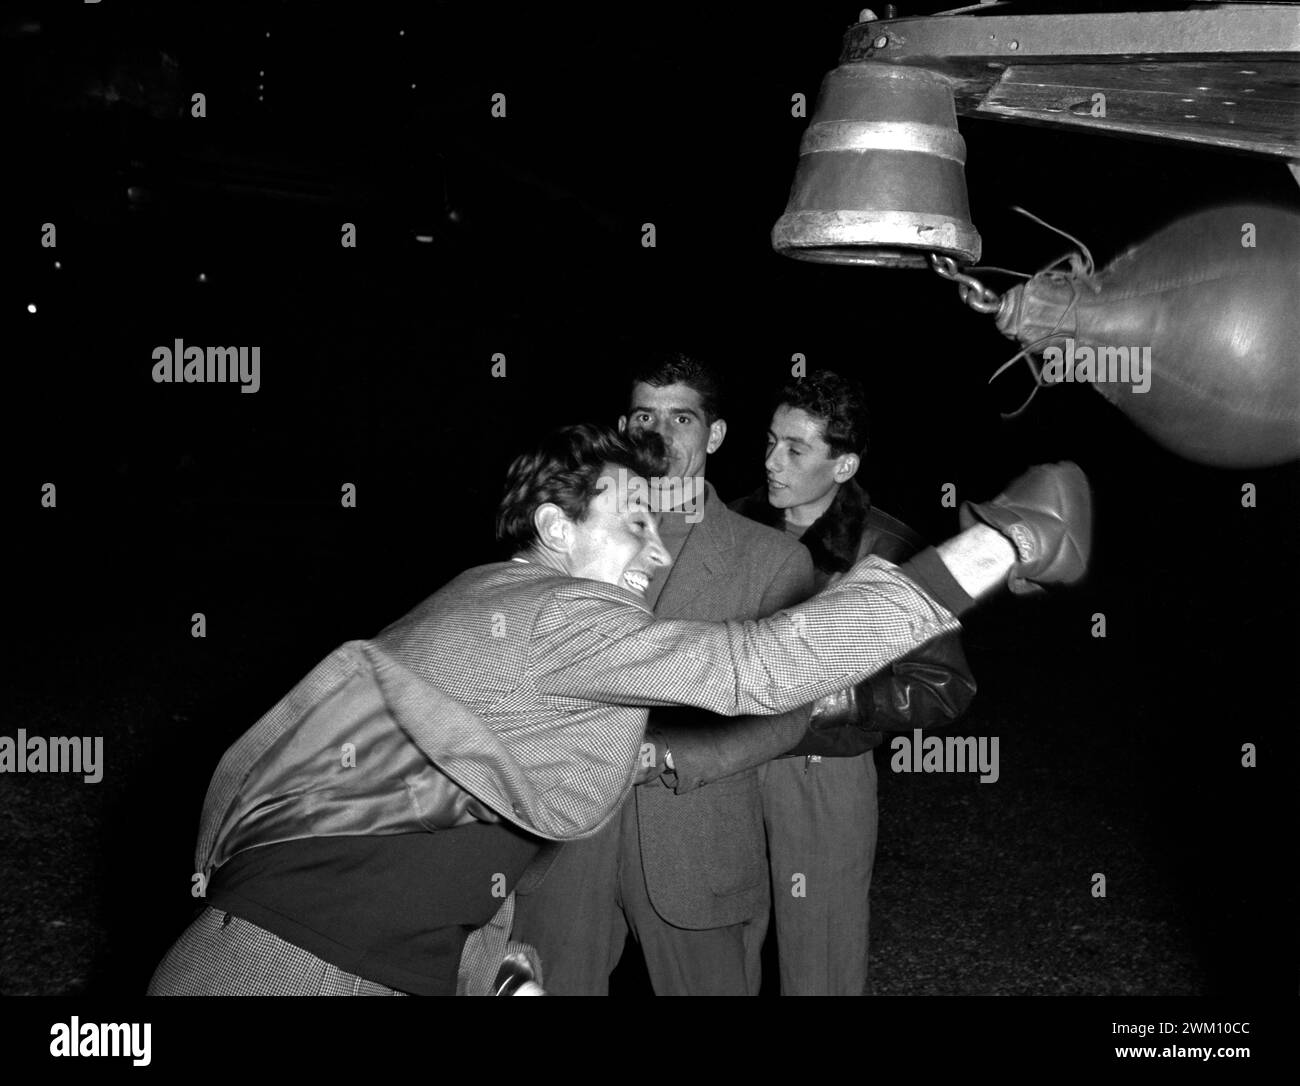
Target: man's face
[[618, 542], [802, 474], [676, 413]]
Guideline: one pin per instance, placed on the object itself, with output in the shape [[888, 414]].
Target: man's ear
[[622, 424], [554, 529], [717, 435], [846, 467]]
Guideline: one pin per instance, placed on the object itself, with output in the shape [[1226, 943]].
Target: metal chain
[[974, 293]]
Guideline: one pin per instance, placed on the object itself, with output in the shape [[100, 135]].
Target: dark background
[[1118, 755]]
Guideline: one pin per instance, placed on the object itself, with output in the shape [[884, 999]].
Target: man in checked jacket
[[355, 835]]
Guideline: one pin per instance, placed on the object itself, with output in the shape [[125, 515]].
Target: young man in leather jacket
[[820, 799]]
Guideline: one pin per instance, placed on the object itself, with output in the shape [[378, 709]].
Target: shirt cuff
[[929, 572]]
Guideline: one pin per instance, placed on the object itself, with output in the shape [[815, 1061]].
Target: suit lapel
[[703, 560]]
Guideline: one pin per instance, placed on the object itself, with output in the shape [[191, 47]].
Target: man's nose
[[657, 553], [772, 463]]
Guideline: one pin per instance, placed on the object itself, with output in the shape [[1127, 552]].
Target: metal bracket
[[1226, 76]]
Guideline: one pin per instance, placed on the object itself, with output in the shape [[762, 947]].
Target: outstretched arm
[[930, 686], [876, 614]]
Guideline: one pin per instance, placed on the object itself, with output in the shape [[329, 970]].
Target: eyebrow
[[789, 440], [672, 410]]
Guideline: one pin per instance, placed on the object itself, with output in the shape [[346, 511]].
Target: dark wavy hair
[[838, 402], [659, 369], [565, 469]]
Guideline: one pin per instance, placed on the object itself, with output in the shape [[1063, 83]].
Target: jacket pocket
[[738, 860]]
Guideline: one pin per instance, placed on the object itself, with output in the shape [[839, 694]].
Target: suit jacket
[[704, 851]]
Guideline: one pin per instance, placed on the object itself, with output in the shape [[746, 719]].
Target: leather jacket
[[928, 688]]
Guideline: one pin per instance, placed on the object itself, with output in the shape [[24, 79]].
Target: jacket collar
[[716, 528], [709, 542], [833, 538]]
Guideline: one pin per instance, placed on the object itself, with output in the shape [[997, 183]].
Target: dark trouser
[[594, 894], [821, 839]]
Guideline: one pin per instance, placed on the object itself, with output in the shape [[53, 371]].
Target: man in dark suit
[[686, 873]]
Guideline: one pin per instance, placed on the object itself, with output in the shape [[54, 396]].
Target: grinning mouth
[[774, 485], [636, 581]]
